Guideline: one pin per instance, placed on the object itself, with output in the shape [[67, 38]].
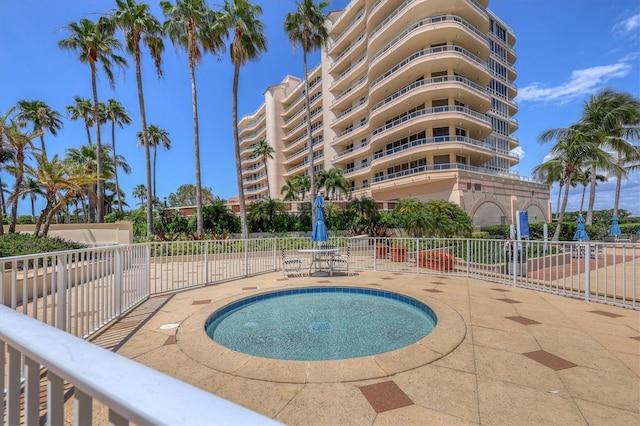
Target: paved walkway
[[499, 355]]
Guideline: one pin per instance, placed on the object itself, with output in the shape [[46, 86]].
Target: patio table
[[321, 259]]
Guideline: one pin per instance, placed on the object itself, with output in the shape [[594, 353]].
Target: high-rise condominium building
[[411, 99]]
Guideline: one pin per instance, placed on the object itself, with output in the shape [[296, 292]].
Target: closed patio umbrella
[[581, 234], [615, 228], [319, 232]]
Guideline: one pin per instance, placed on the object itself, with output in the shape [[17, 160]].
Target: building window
[[461, 159], [478, 187]]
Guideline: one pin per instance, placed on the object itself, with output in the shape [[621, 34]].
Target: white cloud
[[519, 151], [627, 26], [605, 193], [582, 82]]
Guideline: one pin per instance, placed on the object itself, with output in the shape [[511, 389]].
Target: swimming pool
[[321, 323]]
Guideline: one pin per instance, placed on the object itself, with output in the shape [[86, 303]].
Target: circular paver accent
[[445, 337]]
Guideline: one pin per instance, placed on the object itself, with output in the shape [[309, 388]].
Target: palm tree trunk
[[584, 189], [3, 207], [155, 156], [96, 121], [616, 198], [558, 202], [592, 196], [556, 235], [33, 208], [88, 129], [115, 163], [145, 139], [196, 149], [266, 171], [14, 204], [236, 138], [308, 112], [44, 150]]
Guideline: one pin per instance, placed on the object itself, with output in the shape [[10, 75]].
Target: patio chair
[[291, 265], [340, 262]]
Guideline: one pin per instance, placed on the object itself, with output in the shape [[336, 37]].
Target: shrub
[[22, 244]]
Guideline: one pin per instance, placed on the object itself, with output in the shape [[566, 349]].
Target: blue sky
[[567, 50]]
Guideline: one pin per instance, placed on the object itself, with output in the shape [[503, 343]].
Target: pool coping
[[448, 334]]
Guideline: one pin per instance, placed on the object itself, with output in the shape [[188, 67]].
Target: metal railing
[[53, 299]]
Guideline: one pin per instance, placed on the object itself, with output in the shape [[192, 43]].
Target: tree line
[[193, 26]]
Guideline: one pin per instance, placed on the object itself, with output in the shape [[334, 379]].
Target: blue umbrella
[[581, 234], [615, 229], [319, 232]]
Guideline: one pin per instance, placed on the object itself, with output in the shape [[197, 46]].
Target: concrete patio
[[499, 355]]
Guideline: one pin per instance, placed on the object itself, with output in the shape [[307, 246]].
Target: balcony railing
[[430, 51], [433, 20], [429, 111], [441, 140], [433, 80]]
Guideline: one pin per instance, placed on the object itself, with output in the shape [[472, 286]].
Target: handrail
[[166, 400]]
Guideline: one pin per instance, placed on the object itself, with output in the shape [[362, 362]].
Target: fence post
[[147, 260], [118, 282], [206, 261], [468, 256], [61, 291], [587, 272], [375, 253]]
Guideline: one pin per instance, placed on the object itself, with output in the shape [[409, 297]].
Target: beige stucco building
[[412, 98]]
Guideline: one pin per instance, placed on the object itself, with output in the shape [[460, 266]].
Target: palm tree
[[332, 181], [32, 188], [628, 163], [115, 112], [140, 192], [307, 27], [550, 172], [574, 147], [266, 151], [303, 185], [6, 157], [86, 156], [289, 190], [612, 119], [95, 44], [583, 177], [189, 24], [138, 24], [83, 108], [19, 143], [41, 116], [156, 136], [60, 180], [240, 21]]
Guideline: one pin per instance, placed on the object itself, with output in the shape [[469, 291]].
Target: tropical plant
[[333, 182], [96, 45], [61, 180], [264, 150], [33, 189], [303, 185], [42, 116], [289, 190], [583, 177], [263, 213], [86, 156], [186, 195], [138, 24], [83, 108], [6, 157], [19, 143], [189, 25], [573, 147], [610, 119], [140, 192], [550, 172], [115, 112], [240, 21], [155, 137], [306, 27]]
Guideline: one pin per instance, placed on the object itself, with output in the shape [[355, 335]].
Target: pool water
[[321, 324]]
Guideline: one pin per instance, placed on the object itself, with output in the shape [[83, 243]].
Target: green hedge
[[23, 244]]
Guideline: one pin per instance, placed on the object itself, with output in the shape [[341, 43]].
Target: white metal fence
[[81, 291]]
